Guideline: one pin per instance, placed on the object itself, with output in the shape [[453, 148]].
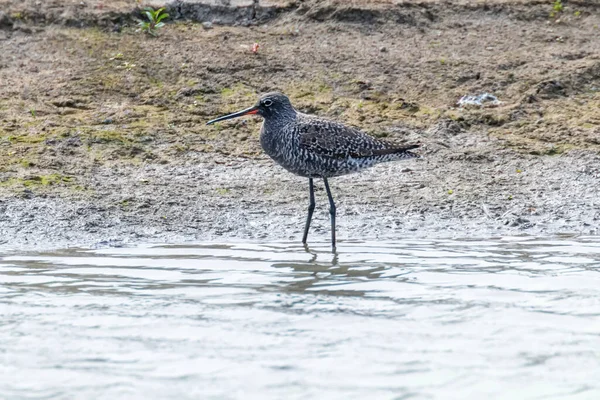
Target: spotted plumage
[[314, 147]]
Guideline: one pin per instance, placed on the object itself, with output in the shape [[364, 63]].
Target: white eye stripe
[[268, 103]]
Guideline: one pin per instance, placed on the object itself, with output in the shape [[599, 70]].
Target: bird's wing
[[335, 140]]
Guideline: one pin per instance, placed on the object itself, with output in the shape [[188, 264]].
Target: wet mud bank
[[103, 142], [244, 199]]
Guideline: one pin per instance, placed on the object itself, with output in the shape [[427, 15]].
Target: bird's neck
[[281, 119]]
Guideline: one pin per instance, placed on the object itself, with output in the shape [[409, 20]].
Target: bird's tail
[[400, 152], [407, 151]]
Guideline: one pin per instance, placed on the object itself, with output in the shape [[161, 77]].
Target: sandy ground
[[102, 135]]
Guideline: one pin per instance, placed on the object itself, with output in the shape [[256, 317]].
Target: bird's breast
[[268, 141], [275, 142]]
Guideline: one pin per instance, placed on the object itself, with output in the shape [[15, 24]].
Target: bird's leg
[[331, 212], [311, 208]]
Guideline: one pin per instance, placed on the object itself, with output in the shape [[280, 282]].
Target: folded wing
[[335, 140]]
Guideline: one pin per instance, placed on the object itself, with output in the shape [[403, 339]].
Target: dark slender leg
[[331, 212], [311, 208]]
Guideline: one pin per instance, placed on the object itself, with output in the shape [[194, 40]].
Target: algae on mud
[[96, 105]]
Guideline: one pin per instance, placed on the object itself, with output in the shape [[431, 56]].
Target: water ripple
[[514, 318]]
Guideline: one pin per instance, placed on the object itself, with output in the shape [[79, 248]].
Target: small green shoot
[[154, 21], [32, 112], [26, 163], [450, 191], [557, 8]]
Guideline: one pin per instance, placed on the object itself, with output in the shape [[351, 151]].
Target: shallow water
[[512, 318]]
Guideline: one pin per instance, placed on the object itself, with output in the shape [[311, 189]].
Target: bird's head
[[270, 105]]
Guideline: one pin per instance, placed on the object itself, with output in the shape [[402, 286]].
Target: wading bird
[[314, 147]]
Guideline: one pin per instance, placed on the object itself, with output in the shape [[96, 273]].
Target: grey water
[[505, 318]]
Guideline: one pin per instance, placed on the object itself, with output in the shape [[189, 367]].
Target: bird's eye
[[268, 103]]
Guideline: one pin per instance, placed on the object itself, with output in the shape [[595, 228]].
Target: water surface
[[512, 318]]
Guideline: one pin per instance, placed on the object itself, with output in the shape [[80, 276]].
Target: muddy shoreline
[[103, 143], [244, 199]]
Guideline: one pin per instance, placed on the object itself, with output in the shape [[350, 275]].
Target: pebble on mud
[[4, 20], [482, 100]]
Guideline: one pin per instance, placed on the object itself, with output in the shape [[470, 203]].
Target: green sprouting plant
[[557, 8], [154, 20]]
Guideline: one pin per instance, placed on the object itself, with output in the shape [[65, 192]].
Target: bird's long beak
[[247, 111]]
